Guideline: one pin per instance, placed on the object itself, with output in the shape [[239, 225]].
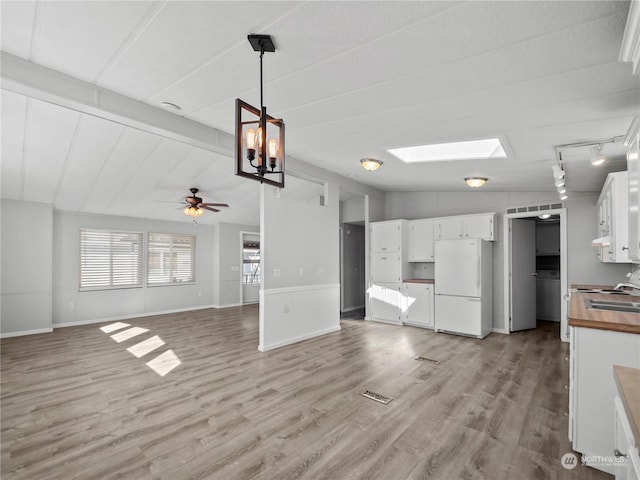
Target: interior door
[[523, 274]]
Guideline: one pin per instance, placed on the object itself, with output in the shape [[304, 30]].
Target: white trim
[[419, 325], [302, 288], [500, 330], [265, 348], [127, 317], [26, 332], [564, 289]]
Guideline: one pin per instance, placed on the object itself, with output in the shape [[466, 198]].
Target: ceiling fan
[[195, 206]]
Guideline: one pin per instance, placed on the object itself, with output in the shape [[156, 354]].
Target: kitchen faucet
[[622, 286]]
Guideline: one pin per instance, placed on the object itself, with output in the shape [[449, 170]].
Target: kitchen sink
[[608, 291], [613, 306]]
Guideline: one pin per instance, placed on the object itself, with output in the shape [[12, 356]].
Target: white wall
[[300, 295], [583, 265], [227, 255], [352, 210], [70, 306], [26, 267]]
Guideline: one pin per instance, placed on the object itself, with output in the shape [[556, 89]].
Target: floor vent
[[428, 360], [376, 396]]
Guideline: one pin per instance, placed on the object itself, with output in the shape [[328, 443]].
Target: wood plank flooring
[[75, 404]]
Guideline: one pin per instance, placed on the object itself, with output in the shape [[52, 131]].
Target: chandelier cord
[[261, 54]]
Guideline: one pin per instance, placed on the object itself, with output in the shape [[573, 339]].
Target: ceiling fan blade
[[208, 208], [214, 205]]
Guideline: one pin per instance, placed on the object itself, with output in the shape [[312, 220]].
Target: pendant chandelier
[[259, 136]]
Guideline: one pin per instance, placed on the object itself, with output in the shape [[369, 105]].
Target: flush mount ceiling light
[[170, 106], [597, 158], [476, 182], [259, 136], [465, 150], [370, 164], [544, 216]]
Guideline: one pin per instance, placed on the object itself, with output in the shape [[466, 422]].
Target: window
[[251, 262], [171, 259], [110, 259]]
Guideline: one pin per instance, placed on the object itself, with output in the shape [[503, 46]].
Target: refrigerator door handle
[[478, 280]]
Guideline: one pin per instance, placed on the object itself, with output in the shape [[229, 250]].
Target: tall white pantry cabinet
[[389, 266]]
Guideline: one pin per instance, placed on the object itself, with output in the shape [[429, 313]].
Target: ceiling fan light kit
[[259, 136], [195, 207]]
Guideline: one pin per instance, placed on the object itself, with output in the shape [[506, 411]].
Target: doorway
[[536, 269], [251, 273]]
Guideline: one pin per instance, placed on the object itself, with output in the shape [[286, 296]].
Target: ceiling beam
[[36, 81]]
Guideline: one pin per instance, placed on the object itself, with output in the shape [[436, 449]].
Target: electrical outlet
[[300, 271], [285, 308], [72, 306], [276, 272]]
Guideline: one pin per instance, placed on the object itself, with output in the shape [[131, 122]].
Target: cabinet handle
[[619, 454], [625, 248]]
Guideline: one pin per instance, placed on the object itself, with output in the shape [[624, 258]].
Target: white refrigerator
[[464, 287]]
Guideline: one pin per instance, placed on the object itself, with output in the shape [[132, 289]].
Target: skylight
[[471, 149]]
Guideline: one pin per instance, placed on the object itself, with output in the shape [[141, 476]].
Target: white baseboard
[[228, 305], [26, 332], [390, 322], [265, 348], [128, 317], [500, 330]]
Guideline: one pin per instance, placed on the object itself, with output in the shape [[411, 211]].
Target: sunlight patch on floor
[[114, 326], [164, 363], [127, 334], [146, 346]]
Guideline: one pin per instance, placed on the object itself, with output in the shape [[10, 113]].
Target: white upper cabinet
[[467, 226], [613, 219], [421, 240], [386, 236], [633, 167]]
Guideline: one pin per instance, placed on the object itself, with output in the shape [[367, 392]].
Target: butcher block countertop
[[628, 383], [419, 280], [580, 315]]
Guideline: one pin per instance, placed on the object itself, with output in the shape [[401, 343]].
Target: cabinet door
[[623, 441], [480, 226], [394, 303], [633, 167], [386, 267], [421, 241], [417, 304], [377, 301], [385, 237], [450, 229]]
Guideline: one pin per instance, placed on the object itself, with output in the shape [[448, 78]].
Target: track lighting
[[597, 158]]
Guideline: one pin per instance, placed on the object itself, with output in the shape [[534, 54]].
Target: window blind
[[110, 259], [170, 259]]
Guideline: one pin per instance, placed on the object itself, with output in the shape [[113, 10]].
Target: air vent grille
[[534, 208], [376, 396], [428, 360]]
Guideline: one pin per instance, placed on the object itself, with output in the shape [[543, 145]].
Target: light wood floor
[[77, 404]]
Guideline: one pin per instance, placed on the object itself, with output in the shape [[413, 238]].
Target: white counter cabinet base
[[418, 304]]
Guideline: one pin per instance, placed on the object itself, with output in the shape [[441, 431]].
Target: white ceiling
[[350, 79]]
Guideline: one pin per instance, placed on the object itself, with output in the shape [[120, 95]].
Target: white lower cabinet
[[386, 302], [593, 390], [418, 304], [625, 446]]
